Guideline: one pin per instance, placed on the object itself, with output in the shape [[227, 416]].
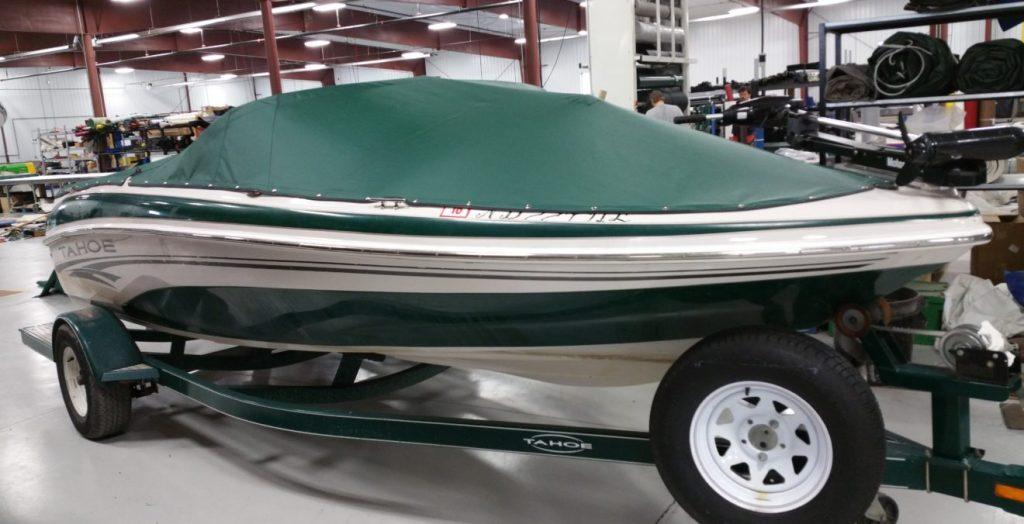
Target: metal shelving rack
[[838, 29]]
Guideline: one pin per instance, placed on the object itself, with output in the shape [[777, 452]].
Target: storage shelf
[[921, 19], [838, 29], [886, 102], [784, 86]]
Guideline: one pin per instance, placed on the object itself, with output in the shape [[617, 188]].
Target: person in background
[[660, 110], [744, 93], [740, 133]]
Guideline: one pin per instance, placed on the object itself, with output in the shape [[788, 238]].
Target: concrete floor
[[183, 463]]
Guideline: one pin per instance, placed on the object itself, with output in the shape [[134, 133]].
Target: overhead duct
[[659, 82], [647, 33], [650, 9]]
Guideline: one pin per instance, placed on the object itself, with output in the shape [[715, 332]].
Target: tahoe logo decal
[[85, 247], [553, 443]]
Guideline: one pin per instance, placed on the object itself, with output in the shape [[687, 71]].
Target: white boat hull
[[536, 307]]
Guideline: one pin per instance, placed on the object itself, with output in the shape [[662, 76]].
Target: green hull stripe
[[341, 318], [100, 205]]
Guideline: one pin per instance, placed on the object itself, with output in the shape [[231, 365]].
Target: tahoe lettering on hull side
[[78, 248]]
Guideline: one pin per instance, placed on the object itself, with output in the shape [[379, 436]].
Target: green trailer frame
[[951, 466]]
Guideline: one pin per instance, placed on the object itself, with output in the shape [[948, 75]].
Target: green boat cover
[[486, 145]]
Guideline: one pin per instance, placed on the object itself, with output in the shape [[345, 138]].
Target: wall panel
[[352, 75], [464, 66], [733, 44]]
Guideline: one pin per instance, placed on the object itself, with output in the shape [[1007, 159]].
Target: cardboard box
[[178, 131], [1004, 253]]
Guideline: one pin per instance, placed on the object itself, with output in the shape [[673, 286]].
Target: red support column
[[270, 43], [188, 96], [531, 60], [99, 108], [804, 34], [327, 79], [420, 68]]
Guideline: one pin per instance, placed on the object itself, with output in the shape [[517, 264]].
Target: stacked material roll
[[990, 67], [848, 83], [930, 6], [913, 65]]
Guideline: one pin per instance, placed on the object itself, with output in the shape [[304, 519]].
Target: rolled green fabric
[[849, 82], [990, 67], [933, 6], [912, 65]]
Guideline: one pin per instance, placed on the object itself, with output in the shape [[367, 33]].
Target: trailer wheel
[[886, 512], [97, 410], [760, 425]]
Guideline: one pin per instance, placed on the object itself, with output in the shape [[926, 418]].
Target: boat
[[491, 226]]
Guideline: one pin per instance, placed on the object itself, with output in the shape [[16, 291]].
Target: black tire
[[109, 405], [808, 369], [892, 509]]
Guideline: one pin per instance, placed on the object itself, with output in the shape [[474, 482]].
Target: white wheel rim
[[768, 455], [74, 383]]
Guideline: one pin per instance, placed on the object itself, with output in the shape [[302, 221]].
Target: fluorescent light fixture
[[441, 26], [520, 40], [411, 55], [124, 70], [265, 73], [117, 38], [122, 1], [583, 5], [45, 51], [2, 58], [190, 30], [194, 27], [582, 32], [317, 43], [503, 16], [331, 6], [809, 5], [557, 38], [314, 67], [738, 11], [228, 76], [292, 8], [212, 57]]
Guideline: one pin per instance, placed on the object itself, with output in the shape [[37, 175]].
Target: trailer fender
[[108, 347]]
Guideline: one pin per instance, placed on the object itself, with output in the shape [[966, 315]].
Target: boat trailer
[[950, 466]]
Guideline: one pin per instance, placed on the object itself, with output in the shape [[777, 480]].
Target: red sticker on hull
[[455, 212]]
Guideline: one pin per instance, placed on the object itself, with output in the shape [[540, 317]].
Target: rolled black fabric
[[990, 67], [848, 83], [930, 6], [935, 6], [912, 64]]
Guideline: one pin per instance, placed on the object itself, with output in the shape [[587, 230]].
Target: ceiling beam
[[410, 33], [40, 16], [101, 16], [558, 13], [183, 63], [15, 42]]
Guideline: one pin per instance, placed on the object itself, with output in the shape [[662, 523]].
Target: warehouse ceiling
[[703, 8], [175, 35]]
